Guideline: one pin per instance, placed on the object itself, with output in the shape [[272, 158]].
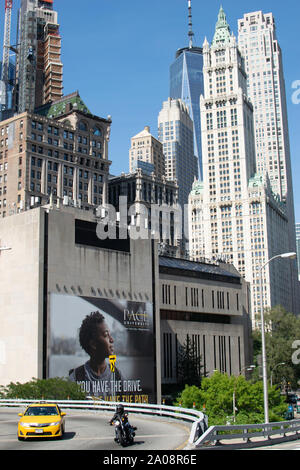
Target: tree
[[189, 364], [282, 330], [49, 389], [216, 396]]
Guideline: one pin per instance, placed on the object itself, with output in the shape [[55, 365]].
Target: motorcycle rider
[[122, 416]]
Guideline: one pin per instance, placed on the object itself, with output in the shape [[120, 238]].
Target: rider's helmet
[[120, 409]]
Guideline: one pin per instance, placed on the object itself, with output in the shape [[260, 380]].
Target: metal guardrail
[[199, 420], [245, 435], [201, 437]]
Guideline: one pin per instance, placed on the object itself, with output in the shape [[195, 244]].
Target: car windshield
[[41, 411]]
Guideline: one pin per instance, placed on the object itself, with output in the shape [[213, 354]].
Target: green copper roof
[[259, 181], [65, 104], [197, 188], [222, 33], [256, 181]]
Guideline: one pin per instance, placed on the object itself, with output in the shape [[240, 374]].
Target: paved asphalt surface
[[89, 430], [292, 445]]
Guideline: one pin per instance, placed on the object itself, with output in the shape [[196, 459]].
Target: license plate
[[38, 431]]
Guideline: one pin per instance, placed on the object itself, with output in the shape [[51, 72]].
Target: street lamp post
[[263, 340], [277, 365]]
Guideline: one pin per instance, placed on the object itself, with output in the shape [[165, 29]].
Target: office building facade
[[63, 157], [146, 148], [150, 304], [175, 131], [186, 83], [243, 221], [258, 42], [151, 203]]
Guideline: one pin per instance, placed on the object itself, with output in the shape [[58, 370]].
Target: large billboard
[[106, 346]]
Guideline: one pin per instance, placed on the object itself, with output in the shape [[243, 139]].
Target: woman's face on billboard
[[102, 345]]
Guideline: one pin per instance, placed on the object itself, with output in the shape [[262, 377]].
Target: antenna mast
[[190, 34], [5, 60]]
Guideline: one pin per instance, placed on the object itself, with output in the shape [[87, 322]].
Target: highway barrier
[[250, 435], [198, 419], [201, 436]]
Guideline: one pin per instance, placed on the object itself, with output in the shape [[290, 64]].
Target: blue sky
[[117, 53]]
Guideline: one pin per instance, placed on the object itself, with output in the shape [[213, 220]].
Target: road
[[292, 445], [89, 430]]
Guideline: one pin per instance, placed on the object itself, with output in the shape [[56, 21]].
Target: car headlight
[[27, 425], [55, 424]]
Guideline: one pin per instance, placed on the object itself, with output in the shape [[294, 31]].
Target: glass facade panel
[[186, 83]]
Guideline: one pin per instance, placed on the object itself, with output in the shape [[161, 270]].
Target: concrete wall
[[44, 259], [21, 297], [221, 336], [220, 346], [63, 268]]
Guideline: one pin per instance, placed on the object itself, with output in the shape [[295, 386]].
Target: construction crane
[[5, 61]]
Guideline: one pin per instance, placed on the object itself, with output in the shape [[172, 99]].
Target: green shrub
[[48, 389], [215, 399]]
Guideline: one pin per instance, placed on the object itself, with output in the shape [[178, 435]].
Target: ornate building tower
[[243, 221]]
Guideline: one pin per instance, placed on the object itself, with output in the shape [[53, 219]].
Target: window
[[166, 294], [167, 354], [194, 297], [82, 126], [234, 120], [221, 119], [97, 131], [209, 121]]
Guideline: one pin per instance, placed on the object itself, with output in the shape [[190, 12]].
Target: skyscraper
[[175, 131], [186, 83], [242, 220], [266, 88], [146, 149], [38, 67]]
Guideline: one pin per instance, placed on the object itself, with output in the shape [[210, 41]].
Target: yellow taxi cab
[[41, 420]]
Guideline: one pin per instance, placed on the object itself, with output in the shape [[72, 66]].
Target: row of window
[[195, 297], [218, 347], [82, 126], [80, 140], [53, 178], [69, 157]]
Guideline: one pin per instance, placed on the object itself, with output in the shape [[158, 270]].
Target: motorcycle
[[125, 433]]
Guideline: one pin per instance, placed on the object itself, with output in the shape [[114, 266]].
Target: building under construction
[[7, 79], [38, 66]]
